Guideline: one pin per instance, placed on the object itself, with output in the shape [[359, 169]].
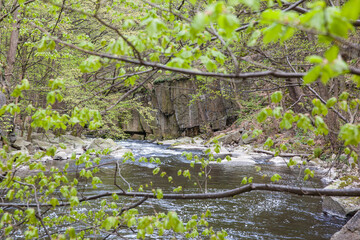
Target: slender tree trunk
[[295, 93], [11, 55], [9, 78]]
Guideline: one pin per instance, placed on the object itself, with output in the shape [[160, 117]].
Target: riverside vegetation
[[80, 66]]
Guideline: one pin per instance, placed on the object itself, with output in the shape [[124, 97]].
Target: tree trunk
[[10, 64], [11, 55], [295, 93]]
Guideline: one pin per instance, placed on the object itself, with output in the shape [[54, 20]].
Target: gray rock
[[351, 230], [12, 137], [241, 160], [137, 137], [177, 113], [278, 160], [61, 155], [78, 151], [231, 137], [41, 144], [71, 140], [297, 159], [119, 153], [341, 206], [20, 144], [46, 159], [24, 151], [249, 139], [101, 144]]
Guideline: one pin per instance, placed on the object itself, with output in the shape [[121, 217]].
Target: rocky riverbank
[[241, 151], [333, 177], [65, 145]]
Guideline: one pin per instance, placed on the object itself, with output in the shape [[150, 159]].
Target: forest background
[[80, 66]]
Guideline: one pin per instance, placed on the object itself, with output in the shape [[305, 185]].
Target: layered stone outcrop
[[178, 113]]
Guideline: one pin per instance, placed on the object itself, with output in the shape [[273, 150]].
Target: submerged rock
[[241, 160]]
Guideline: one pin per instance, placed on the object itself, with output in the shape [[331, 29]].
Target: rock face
[[351, 230], [178, 115]]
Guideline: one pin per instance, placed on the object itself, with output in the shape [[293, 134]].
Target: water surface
[[254, 215]]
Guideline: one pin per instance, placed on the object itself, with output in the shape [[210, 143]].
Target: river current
[[254, 215]]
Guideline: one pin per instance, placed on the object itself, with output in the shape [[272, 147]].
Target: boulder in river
[[101, 144], [341, 206], [278, 160], [61, 155], [351, 230], [244, 159]]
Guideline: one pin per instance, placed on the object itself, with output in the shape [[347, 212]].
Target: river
[[255, 215]]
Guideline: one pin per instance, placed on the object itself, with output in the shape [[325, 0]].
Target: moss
[[215, 138], [171, 78], [348, 180]]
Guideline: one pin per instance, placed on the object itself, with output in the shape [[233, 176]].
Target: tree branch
[[301, 191]]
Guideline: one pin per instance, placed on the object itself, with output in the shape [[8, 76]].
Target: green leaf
[[156, 170], [159, 193], [331, 102], [91, 64], [276, 97], [208, 63], [261, 117], [351, 10], [229, 23], [201, 20], [275, 178], [254, 37], [244, 180], [350, 133], [344, 96], [269, 142], [312, 75], [253, 4], [272, 33], [314, 59], [277, 112], [54, 202], [332, 53]]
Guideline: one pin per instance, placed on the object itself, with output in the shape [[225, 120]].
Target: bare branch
[[302, 191]]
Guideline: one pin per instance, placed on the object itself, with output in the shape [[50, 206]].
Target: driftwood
[[282, 154]]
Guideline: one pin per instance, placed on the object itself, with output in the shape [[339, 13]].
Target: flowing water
[[254, 215]]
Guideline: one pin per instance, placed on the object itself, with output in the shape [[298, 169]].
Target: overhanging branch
[[301, 191]]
